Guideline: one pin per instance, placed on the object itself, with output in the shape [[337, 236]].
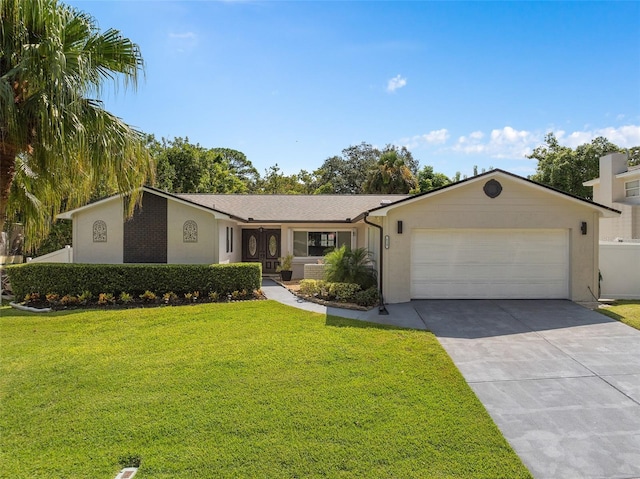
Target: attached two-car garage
[[495, 235], [489, 263]]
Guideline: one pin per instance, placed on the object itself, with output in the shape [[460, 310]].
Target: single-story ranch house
[[495, 235]]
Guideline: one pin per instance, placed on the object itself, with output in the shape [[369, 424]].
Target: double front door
[[261, 245]]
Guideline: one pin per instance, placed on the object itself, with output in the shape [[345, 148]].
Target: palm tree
[[344, 265], [56, 139], [390, 175]]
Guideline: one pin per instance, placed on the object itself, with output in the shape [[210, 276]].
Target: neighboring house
[[618, 186], [496, 235]]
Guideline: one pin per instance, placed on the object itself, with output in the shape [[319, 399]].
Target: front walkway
[[402, 315]]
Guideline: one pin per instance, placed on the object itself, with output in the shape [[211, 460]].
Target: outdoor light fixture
[[583, 227], [386, 241], [400, 227]]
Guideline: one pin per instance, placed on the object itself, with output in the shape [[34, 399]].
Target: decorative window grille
[[190, 232], [99, 231]]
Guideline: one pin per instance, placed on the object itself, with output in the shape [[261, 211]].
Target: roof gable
[[67, 215], [603, 210]]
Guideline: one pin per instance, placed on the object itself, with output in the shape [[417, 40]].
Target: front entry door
[[261, 246]]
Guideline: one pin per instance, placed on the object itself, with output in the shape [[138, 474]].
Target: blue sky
[[458, 83]]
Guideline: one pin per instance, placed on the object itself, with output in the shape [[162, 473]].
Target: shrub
[[52, 298], [63, 279], [106, 298], [312, 287], [350, 266], [343, 292], [125, 298], [69, 300], [148, 296], [31, 297], [169, 297], [367, 297], [214, 296], [85, 297]]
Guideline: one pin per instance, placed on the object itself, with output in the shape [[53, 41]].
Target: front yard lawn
[[239, 390], [626, 311]]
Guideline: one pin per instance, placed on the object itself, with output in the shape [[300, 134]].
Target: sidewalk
[[402, 315]]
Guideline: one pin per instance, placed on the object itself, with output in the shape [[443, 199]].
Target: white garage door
[[490, 263]]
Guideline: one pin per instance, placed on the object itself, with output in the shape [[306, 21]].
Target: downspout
[[381, 307]]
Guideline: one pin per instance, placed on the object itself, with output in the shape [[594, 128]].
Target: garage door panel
[[489, 264]]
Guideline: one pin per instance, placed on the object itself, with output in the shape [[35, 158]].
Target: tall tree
[[390, 175], [429, 180], [53, 61], [239, 165], [183, 167], [565, 168], [346, 174]]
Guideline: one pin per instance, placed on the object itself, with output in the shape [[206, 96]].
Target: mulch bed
[[294, 287], [137, 302]]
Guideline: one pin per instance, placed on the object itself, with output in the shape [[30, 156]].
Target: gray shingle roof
[[292, 208]]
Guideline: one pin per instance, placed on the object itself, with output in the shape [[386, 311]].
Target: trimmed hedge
[[74, 278]]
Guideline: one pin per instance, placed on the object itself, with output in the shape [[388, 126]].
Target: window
[[229, 239], [317, 243], [190, 232], [99, 232], [632, 189]]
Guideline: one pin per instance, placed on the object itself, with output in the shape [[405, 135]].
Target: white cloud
[[510, 143], [502, 143], [395, 83], [624, 136], [183, 42], [435, 137]]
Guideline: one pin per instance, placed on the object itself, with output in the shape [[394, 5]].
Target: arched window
[[190, 232], [99, 231]]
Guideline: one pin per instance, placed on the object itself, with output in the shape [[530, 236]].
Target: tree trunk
[[7, 172]]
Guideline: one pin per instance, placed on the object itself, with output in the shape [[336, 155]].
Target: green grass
[[240, 390], [626, 311]]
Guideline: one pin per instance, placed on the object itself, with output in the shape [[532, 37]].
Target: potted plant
[[285, 267]]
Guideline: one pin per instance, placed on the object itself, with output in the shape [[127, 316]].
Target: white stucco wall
[[85, 250], [181, 252], [620, 268], [234, 256], [519, 206]]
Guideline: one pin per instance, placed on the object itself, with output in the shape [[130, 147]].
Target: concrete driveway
[[561, 382]]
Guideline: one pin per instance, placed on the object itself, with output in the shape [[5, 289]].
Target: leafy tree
[[390, 175], [239, 165], [183, 167], [566, 169], [347, 173], [56, 139], [277, 183], [429, 180]]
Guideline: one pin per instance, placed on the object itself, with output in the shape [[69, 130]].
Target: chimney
[[611, 165]]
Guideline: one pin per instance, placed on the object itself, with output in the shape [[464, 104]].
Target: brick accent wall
[[145, 234]]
